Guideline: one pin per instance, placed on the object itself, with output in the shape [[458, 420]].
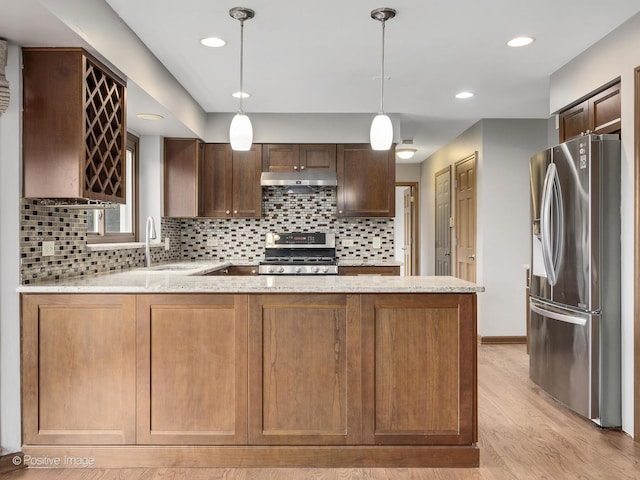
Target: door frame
[[636, 255], [415, 223], [454, 190]]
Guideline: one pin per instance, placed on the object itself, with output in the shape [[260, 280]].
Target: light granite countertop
[[187, 277]]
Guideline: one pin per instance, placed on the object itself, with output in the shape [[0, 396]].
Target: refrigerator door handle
[[558, 316], [545, 223]]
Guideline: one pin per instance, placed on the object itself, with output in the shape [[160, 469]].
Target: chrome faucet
[[150, 235]]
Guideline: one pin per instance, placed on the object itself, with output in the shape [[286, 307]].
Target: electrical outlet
[[212, 242], [377, 242], [167, 243], [347, 242], [48, 249]]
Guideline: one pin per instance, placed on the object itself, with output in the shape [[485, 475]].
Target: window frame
[[133, 144]]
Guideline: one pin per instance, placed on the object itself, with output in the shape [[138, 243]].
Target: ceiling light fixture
[[150, 116], [381, 134], [520, 41], [213, 42], [240, 130], [464, 95], [405, 150]]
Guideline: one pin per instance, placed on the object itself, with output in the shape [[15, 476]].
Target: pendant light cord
[[241, 64], [382, 73]]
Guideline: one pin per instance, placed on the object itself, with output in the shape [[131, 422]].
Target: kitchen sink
[[171, 268]]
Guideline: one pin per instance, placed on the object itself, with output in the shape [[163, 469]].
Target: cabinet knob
[[227, 212], [295, 167], [235, 212], [339, 211], [301, 167]]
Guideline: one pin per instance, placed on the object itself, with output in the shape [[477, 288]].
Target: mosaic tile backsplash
[[239, 239]]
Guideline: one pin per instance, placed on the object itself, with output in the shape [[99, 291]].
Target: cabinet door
[[247, 192], [574, 121], [318, 157], [216, 181], [366, 181], [181, 163], [280, 157], [604, 111], [78, 369], [304, 371], [192, 369], [419, 369]]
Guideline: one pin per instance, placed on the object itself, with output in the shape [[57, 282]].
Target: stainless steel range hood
[[298, 179]]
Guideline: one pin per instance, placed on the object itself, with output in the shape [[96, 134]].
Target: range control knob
[[270, 269], [325, 269], [315, 269], [281, 270], [298, 270]]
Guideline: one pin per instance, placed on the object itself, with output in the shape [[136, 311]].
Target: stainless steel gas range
[[299, 254]]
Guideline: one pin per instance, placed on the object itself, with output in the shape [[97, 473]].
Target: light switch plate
[[377, 242], [48, 249]]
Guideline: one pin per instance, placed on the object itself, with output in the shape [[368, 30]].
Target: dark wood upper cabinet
[[598, 114], [366, 181], [74, 130], [182, 157], [230, 182], [285, 157]]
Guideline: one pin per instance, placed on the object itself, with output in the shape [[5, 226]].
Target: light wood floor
[[523, 435]]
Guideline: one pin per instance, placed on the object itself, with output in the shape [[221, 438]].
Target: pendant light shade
[[241, 133], [241, 130], [381, 134]]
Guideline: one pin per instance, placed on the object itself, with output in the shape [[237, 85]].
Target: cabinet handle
[[339, 211], [235, 212], [295, 167], [302, 167], [227, 212]]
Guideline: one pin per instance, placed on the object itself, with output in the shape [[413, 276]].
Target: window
[[117, 225]]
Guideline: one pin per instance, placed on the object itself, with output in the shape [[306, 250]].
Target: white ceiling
[[324, 57]]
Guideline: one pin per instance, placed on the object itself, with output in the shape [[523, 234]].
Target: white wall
[[150, 183], [10, 155], [616, 55], [503, 223]]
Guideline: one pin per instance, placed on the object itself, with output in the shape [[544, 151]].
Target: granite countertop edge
[[191, 278]]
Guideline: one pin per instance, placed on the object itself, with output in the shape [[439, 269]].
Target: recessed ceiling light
[[464, 95], [520, 41], [214, 42], [150, 116], [240, 94]]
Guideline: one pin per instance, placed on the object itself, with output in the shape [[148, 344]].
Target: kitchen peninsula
[[161, 368]]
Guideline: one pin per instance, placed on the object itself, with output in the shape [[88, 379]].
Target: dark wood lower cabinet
[[254, 379]]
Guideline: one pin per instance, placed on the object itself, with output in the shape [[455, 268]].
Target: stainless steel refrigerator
[[574, 335]]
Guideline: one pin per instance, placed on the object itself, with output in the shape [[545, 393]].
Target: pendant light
[[381, 134], [241, 131]]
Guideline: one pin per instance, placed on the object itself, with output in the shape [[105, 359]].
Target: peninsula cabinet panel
[[366, 181], [304, 372], [182, 157], [78, 369], [418, 352], [192, 369]]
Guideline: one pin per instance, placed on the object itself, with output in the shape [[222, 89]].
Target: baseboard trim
[[12, 462], [502, 340], [345, 456]]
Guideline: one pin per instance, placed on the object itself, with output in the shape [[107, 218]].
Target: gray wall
[[10, 142]]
